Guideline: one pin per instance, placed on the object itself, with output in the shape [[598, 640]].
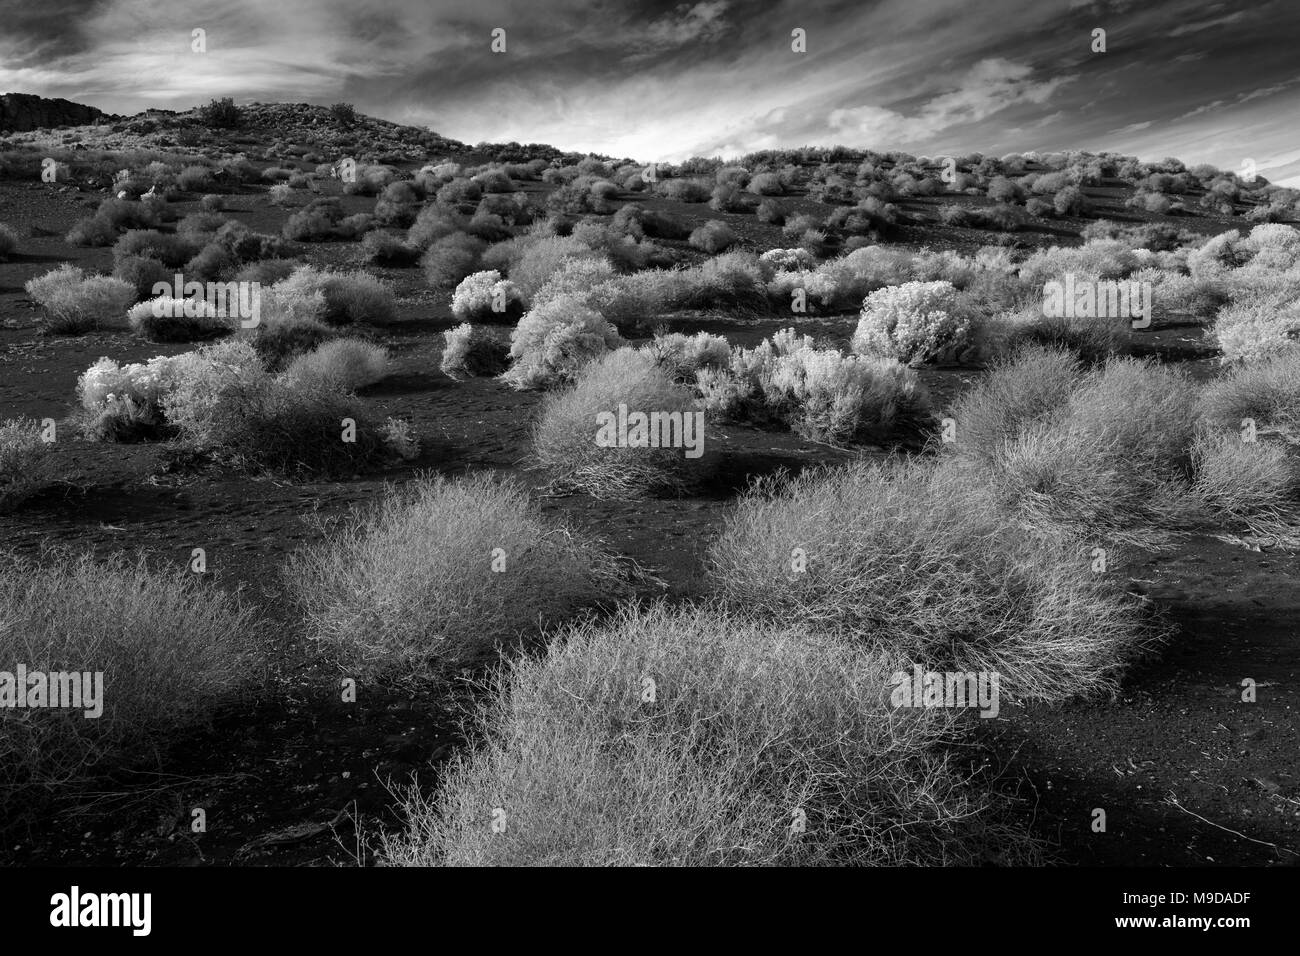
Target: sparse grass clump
[[75, 302], [749, 728], [24, 462], [441, 574], [1066, 450], [171, 652], [914, 561], [1253, 482], [577, 441]]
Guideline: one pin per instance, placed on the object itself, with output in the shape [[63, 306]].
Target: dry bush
[[25, 461], [418, 586], [913, 560], [224, 402], [819, 393], [554, 340], [472, 350], [1102, 452], [565, 438], [914, 322], [75, 302], [750, 727], [179, 320], [343, 364], [1267, 392], [171, 651], [1254, 482]]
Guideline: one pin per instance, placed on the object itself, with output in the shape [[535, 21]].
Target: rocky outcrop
[[21, 112]]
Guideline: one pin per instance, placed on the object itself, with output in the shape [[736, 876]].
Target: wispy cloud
[[663, 79]]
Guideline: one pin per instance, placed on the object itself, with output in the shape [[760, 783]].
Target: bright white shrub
[[913, 322], [554, 340], [485, 295]]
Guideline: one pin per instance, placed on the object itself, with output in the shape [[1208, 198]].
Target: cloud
[[991, 86]]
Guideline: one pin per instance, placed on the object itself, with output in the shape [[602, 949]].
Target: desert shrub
[[748, 722], [171, 250], [210, 264], [766, 184], [472, 350], [123, 402], [486, 297], [75, 302], [541, 258], [193, 179], [911, 560], [494, 181], [819, 393], [8, 241], [344, 364], [1101, 259], [248, 246], [267, 272], [1085, 465], [1258, 325], [91, 231], [1040, 208], [24, 461], [575, 278], [554, 340], [213, 202], [451, 258], [221, 114], [1070, 201], [386, 249], [580, 454], [223, 401], [681, 356], [172, 652], [410, 591], [684, 190], [727, 197], [317, 221], [713, 237], [1255, 482], [1002, 189], [769, 210], [1266, 392], [350, 297], [165, 319], [143, 273], [432, 223], [397, 204], [914, 322], [640, 296]]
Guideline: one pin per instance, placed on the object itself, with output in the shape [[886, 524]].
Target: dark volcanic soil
[[290, 779]]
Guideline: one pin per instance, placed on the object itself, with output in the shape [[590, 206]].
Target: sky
[[660, 81]]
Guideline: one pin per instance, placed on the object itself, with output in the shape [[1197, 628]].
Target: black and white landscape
[[641, 434]]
